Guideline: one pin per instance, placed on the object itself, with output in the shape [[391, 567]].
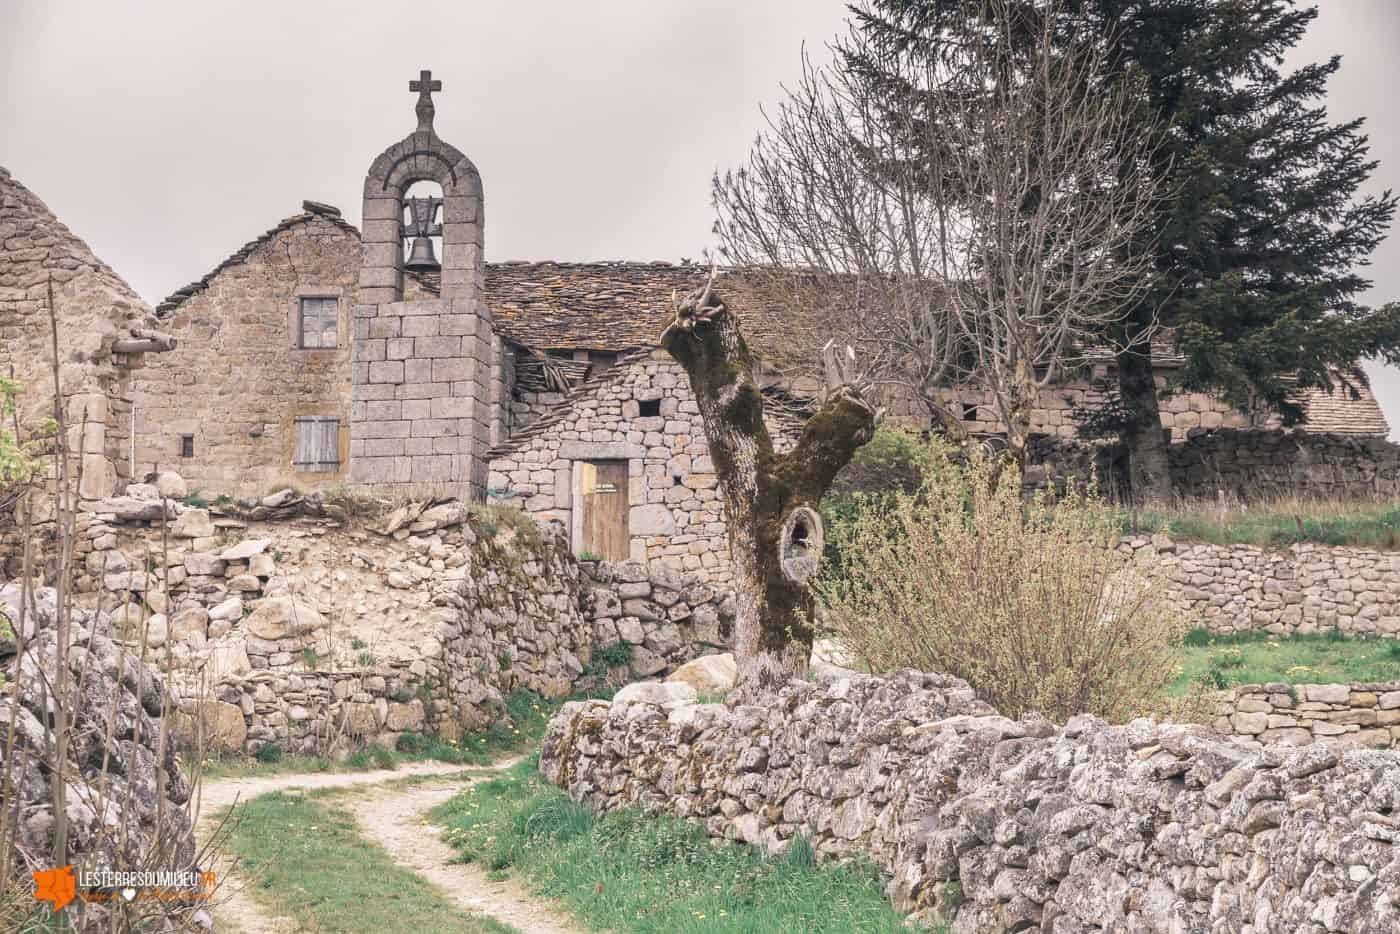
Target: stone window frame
[[342, 321]]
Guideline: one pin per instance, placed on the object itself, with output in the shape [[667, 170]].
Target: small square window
[[317, 323], [187, 445], [969, 412], [649, 408]]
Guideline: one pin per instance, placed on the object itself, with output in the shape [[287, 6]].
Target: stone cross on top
[[425, 86]]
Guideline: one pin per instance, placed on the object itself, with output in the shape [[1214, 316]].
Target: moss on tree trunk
[[764, 492]]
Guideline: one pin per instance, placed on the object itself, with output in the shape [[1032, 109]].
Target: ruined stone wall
[[675, 516], [1363, 714], [990, 824], [1303, 589], [94, 308], [281, 621], [1248, 465]]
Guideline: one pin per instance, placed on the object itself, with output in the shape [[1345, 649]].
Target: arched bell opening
[[422, 227], [800, 544]]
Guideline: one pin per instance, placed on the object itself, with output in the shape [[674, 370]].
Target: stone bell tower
[[421, 380]]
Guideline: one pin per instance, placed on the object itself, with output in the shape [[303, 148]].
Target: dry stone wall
[[675, 516], [657, 617], [1303, 589], [1248, 465], [1365, 714], [128, 798], [991, 824], [283, 621]]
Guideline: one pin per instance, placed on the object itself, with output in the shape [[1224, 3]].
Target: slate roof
[[617, 306]]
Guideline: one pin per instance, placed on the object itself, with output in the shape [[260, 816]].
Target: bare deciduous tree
[[976, 205]]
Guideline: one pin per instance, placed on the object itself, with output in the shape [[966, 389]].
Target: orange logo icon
[[57, 886]]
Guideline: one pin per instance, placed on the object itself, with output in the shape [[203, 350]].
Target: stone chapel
[[393, 358]]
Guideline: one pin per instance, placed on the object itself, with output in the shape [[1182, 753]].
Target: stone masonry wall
[[660, 617], [238, 379], [675, 516], [1362, 714], [94, 309], [1303, 589], [990, 824], [1249, 466], [281, 620], [421, 400]]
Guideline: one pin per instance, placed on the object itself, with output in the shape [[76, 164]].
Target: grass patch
[[625, 871], [308, 860], [1278, 523], [1258, 658]]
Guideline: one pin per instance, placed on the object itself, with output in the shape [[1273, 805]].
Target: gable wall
[[94, 308], [237, 380], [680, 525]]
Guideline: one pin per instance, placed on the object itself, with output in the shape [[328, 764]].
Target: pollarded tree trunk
[[771, 500]]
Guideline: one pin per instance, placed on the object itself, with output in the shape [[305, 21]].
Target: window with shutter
[[318, 319], [317, 443]]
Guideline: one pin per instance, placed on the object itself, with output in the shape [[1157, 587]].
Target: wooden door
[[603, 507]]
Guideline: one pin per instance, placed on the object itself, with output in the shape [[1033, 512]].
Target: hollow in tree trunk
[[770, 500]]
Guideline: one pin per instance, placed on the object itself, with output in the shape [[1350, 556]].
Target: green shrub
[[411, 743], [1027, 600], [269, 754]]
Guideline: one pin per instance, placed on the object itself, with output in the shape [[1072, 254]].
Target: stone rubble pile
[[991, 824], [315, 634]]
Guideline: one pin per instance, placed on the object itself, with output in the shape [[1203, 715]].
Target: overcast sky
[[167, 133]]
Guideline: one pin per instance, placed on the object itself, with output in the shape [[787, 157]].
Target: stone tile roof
[[96, 307], [615, 306], [1344, 411], [310, 210], [49, 246]]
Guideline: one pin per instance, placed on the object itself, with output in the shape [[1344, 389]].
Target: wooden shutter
[[317, 443]]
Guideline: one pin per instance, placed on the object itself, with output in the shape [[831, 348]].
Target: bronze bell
[[422, 255], [422, 214]]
